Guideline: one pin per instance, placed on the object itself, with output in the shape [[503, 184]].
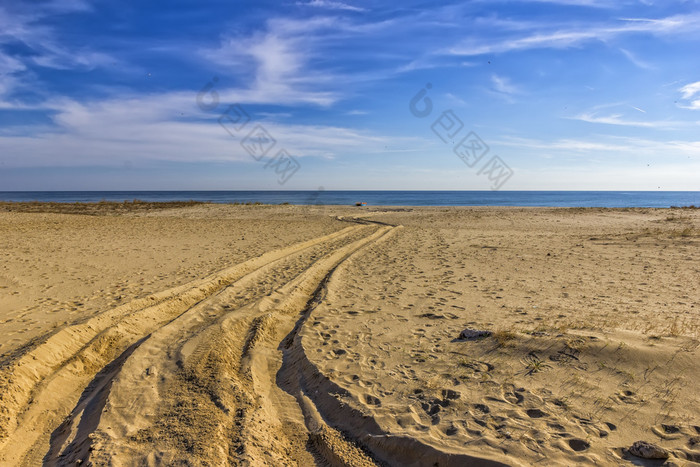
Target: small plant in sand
[[503, 337], [674, 329], [686, 232], [628, 375], [533, 364]]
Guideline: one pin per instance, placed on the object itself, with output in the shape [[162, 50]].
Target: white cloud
[[26, 25], [692, 105], [166, 127], [21, 23], [615, 119], [618, 114], [9, 65], [690, 95], [567, 37], [331, 5], [280, 58], [273, 115], [606, 146], [503, 85], [418, 64], [690, 90], [636, 60], [455, 100], [586, 3]]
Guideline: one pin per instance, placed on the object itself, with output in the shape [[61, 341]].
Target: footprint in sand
[[536, 413], [449, 394], [513, 395], [579, 445], [628, 397], [371, 400], [557, 427], [432, 409], [667, 431], [478, 367]]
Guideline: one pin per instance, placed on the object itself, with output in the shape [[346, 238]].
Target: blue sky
[[569, 94]]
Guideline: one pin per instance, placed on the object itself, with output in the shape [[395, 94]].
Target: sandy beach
[[203, 334]]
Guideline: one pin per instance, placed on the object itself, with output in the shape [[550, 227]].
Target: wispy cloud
[[317, 73], [588, 3], [690, 90], [583, 3], [431, 62], [614, 119], [422, 63], [331, 5], [602, 146], [620, 120], [566, 37], [636, 60], [455, 100], [109, 132], [279, 57], [503, 85], [690, 94], [26, 25]]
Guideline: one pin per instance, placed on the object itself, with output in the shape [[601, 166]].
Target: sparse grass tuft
[[533, 364], [504, 337], [684, 233], [99, 208], [628, 375], [674, 330]]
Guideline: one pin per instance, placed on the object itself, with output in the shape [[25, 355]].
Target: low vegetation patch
[[93, 209]]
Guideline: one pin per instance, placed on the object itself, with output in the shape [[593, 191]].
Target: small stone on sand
[[648, 450], [473, 333]]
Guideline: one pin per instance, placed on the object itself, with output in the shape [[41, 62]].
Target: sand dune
[[330, 336]]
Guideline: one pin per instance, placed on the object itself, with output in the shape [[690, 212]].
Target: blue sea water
[[656, 199]]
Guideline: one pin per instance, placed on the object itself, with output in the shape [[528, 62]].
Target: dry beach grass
[[202, 334]]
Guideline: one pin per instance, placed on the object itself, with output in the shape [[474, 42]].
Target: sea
[[607, 199]]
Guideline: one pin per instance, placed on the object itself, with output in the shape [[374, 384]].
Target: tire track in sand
[[234, 387], [42, 385], [213, 399]]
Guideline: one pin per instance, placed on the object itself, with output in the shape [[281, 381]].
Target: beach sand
[[288, 335]]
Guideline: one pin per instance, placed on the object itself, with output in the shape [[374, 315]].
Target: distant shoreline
[[116, 207], [607, 199]]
